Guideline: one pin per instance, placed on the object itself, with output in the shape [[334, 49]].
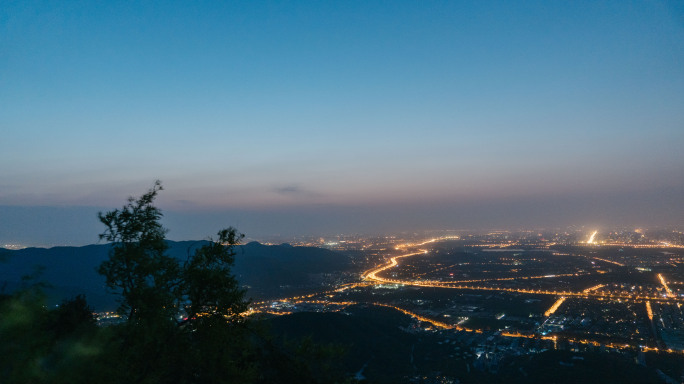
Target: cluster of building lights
[[373, 277]]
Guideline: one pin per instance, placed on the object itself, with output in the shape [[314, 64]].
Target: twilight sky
[[329, 117]]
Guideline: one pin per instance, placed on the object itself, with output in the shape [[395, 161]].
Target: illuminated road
[[372, 275], [554, 307], [608, 261], [591, 238], [594, 288], [456, 327], [649, 311], [664, 283]]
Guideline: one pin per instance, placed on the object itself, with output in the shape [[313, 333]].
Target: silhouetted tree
[[71, 316], [38, 345], [215, 342], [210, 289], [138, 268], [23, 340], [208, 346]]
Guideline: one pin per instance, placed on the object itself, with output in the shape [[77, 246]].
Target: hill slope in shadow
[[267, 271]]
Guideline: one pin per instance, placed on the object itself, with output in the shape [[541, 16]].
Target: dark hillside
[[372, 338], [283, 270], [268, 271]]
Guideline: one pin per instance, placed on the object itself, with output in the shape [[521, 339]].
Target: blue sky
[[307, 117]]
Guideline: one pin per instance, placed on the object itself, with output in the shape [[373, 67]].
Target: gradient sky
[[352, 116]]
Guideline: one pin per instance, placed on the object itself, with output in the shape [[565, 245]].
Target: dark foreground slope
[[385, 346], [374, 345], [268, 271]]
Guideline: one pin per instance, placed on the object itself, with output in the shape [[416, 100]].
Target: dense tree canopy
[[138, 268], [183, 320], [209, 288]]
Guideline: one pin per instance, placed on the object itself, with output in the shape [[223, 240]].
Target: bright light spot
[[591, 238]]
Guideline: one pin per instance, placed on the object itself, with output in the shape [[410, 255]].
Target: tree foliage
[[184, 321], [38, 345], [138, 267], [156, 290], [211, 291]]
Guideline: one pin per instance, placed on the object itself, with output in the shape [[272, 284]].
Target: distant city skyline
[[351, 117]]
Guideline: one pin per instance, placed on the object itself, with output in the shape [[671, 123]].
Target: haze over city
[[351, 117]]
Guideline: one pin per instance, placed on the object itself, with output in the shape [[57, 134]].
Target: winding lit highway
[[373, 276]]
